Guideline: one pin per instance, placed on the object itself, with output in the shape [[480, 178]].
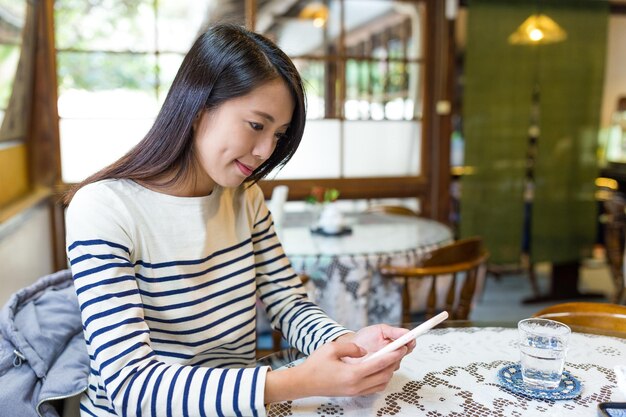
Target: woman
[[171, 245]]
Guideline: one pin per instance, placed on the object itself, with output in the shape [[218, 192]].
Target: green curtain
[[496, 103], [499, 82], [571, 78]]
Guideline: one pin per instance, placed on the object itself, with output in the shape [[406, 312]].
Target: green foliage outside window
[[105, 71], [9, 55], [90, 35], [79, 23]]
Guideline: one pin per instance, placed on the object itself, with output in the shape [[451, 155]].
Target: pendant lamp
[[317, 12], [538, 28]]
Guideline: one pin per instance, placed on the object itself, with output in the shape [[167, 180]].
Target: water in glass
[[543, 345]]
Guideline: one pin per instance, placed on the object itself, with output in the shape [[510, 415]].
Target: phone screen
[[612, 409]]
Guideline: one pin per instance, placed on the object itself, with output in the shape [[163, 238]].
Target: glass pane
[[179, 23], [378, 90], [106, 25], [318, 154], [398, 22], [9, 56], [13, 16], [313, 75], [87, 145], [415, 100], [301, 28], [381, 149], [168, 67], [106, 85], [311, 28], [12, 19]]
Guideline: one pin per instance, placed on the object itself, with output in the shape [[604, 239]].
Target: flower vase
[[331, 219], [315, 211]]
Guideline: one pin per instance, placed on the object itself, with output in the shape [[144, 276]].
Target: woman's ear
[[196, 120]]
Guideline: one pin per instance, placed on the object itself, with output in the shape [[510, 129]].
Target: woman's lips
[[245, 169]]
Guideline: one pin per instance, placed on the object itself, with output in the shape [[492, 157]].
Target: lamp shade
[[316, 11], [537, 29]]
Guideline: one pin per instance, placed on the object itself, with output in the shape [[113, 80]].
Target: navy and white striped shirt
[[167, 288]]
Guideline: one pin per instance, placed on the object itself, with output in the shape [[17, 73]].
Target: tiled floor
[[503, 300]]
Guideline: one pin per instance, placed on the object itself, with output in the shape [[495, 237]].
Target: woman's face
[[234, 139]]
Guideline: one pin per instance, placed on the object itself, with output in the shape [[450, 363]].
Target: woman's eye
[[280, 136], [256, 126]]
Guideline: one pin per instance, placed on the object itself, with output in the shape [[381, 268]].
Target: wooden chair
[[388, 209], [590, 317], [463, 256], [614, 227]]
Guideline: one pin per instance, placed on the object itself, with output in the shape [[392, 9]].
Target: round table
[[371, 234], [343, 270], [453, 372]]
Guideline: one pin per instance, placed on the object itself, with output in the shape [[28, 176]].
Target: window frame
[[430, 187]]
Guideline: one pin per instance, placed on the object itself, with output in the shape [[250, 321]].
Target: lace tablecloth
[[453, 372]]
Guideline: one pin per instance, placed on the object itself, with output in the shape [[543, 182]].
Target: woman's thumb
[[351, 350]]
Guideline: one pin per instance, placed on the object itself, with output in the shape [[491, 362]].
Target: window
[[116, 61], [12, 24], [16, 30], [360, 65]]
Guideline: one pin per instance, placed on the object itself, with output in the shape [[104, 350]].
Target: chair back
[[389, 209], [464, 256], [588, 316], [614, 227]]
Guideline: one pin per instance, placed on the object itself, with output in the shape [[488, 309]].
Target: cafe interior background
[[442, 106]]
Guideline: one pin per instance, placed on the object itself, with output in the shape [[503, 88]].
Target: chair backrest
[[463, 256], [596, 317], [614, 227], [389, 209]]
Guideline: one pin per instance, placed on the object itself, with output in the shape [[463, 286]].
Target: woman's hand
[[326, 373], [373, 338]]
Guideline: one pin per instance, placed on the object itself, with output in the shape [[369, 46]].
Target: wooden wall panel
[[354, 188], [13, 173]]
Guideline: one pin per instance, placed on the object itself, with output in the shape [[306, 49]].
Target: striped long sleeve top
[[167, 288]]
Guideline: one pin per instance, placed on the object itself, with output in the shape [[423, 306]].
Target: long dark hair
[[225, 62]]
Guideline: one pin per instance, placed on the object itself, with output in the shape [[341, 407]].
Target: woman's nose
[[264, 147]]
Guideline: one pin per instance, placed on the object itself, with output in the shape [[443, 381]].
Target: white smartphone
[[407, 337]]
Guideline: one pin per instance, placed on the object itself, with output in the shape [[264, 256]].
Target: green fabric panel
[[496, 107], [571, 77], [499, 80]]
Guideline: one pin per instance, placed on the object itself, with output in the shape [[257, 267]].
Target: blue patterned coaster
[[511, 378]]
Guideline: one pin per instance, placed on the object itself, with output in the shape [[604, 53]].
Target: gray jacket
[[43, 356]]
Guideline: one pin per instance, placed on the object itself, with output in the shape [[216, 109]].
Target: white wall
[[25, 250]]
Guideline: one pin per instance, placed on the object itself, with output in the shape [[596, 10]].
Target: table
[[453, 372], [343, 270]]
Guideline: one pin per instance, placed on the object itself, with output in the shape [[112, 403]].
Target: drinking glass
[[543, 346]]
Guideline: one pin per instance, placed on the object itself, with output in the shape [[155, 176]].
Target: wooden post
[[43, 138], [250, 14], [437, 125]]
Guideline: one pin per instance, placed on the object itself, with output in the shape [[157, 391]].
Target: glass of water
[[543, 346]]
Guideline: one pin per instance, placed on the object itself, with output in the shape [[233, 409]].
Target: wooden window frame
[[432, 186]]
